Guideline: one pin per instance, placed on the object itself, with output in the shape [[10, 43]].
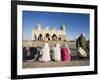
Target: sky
[[76, 23]]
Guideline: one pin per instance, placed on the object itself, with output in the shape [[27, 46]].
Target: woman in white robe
[[45, 52], [56, 53]]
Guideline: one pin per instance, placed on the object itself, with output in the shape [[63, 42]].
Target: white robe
[[82, 52], [45, 52], [56, 53]]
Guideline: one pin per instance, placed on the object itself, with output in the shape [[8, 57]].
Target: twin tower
[[39, 34]]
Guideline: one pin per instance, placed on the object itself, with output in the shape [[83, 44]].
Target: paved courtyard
[[32, 64]]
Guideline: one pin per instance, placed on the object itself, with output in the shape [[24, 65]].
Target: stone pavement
[[32, 64]]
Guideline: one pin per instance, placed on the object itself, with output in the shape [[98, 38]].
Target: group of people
[[45, 54], [58, 53]]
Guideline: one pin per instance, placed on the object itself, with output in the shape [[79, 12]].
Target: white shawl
[[56, 53], [82, 52], [45, 52]]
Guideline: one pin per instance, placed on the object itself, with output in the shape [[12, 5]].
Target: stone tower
[[63, 27], [38, 27]]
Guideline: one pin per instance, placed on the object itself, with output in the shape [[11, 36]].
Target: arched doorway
[[40, 37], [54, 37], [59, 37], [47, 36]]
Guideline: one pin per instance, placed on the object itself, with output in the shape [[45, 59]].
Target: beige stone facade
[[39, 34]]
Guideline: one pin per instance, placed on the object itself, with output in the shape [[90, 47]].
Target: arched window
[[47, 36], [40, 37], [59, 38], [54, 37]]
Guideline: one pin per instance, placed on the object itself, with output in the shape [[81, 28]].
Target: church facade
[[39, 34]]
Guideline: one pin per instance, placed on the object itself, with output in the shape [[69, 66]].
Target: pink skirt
[[65, 55]]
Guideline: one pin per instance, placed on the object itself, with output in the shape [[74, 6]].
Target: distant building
[[39, 34]]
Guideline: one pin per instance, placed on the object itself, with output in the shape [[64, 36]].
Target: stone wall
[[71, 44]]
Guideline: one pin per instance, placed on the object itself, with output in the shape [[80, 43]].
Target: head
[[65, 45], [82, 34], [27, 47], [57, 45], [46, 45]]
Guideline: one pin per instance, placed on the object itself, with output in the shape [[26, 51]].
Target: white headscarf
[[46, 45], [66, 45], [57, 53], [45, 53], [82, 52], [57, 45]]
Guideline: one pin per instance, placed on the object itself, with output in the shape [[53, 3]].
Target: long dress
[[65, 54], [82, 52], [45, 52], [56, 53]]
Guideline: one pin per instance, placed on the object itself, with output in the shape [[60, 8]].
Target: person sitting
[[24, 53], [65, 53], [56, 55], [45, 53], [33, 53], [82, 45]]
